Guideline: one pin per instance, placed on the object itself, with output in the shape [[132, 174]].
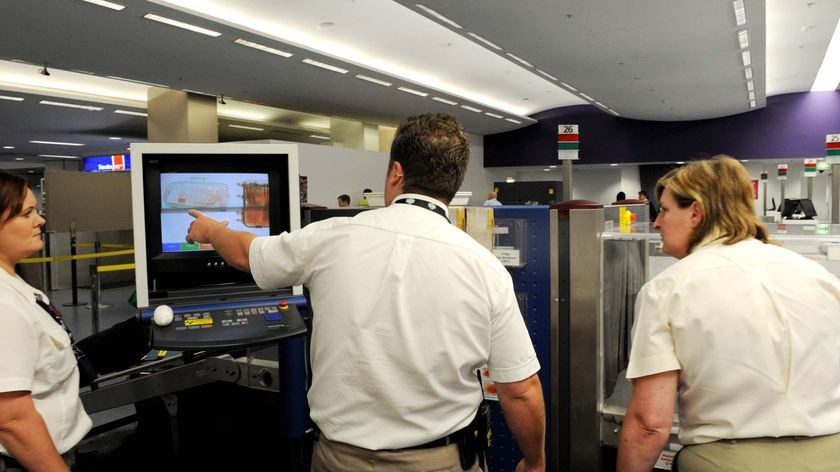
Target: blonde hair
[[722, 188]]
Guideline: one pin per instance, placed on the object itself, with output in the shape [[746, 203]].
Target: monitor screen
[[254, 187], [807, 207]]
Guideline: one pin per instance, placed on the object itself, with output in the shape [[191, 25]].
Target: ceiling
[[505, 61]]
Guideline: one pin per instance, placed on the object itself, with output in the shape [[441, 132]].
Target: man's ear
[[396, 172]]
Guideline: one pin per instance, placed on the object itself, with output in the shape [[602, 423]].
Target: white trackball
[[163, 315]]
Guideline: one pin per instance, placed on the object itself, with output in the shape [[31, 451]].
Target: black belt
[[10, 462], [444, 441]]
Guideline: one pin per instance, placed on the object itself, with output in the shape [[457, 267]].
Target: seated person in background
[[743, 333], [343, 200], [619, 197], [491, 200], [363, 202]]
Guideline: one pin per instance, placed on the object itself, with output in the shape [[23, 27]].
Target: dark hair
[[642, 193], [12, 194], [344, 197], [723, 189], [434, 152], [620, 196]]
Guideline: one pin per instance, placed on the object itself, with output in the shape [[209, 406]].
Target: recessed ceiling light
[[493, 115], [564, 84], [613, 111], [752, 103], [251, 44], [740, 13], [374, 80], [745, 58], [319, 137], [18, 158], [138, 81], [553, 167], [443, 100], [680, 162], [412, 91], [254, 128], [613, 165], [58, 155], [547, 170], [743, 39], [182, 25], [126, 112], [513, 121], [103, 3], [548, 75], [70, 105], [485, 41], [587, 97], [748, 73], [438, 16], [8, 147], [114, 138], [323, 65], [519, 59], [751, 95], [57, 143], [467, 107], [14, 99], [750, 85]]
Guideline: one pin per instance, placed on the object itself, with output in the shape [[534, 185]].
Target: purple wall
[[791, 125]]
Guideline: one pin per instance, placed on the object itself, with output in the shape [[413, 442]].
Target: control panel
[[224, 324]]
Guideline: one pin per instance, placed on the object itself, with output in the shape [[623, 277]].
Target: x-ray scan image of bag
[[196, 195]]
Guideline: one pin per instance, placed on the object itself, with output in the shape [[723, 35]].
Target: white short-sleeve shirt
[[754, 330], [36, 356], [406, 308]]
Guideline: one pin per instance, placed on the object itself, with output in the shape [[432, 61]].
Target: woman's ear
[[696, 217]]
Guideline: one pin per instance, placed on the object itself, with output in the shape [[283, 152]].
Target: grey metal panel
[[554, 314], [586, 269]]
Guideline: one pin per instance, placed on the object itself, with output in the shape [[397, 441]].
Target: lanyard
[[54, 313], [424, 204]]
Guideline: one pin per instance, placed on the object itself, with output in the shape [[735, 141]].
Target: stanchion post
[[94, 297], [73, 279]]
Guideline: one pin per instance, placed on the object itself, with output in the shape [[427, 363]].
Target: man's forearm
[[524, 410], [639, 447], [233, 246]]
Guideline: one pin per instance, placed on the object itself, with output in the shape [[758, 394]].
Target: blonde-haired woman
[[745, 334]]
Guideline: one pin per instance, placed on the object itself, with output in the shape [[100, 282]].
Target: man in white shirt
[[394, 357]]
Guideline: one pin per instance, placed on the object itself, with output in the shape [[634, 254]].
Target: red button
[[283, 305]]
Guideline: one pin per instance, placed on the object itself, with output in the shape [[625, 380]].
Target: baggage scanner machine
[[224, 331]]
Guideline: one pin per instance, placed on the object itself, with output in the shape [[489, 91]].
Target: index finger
[[195, 213]]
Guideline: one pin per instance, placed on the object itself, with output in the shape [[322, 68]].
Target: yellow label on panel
[[198, 322]]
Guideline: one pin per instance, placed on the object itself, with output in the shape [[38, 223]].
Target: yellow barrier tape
[[115, 267], [33, 260], [113, 245]]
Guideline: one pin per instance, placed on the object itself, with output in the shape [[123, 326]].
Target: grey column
[[181, 117]]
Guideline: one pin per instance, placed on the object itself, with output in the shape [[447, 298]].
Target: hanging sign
[[810, 167], [568, 142], [832, 145], [782, 169], [764, 176]]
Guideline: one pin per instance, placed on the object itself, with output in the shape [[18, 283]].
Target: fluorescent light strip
[[743, 39], [564, 84], [752, 103], [8, 147], [182, 25], [412, 91], [613, 111], [467, 107], [313, 62], [751, 95], [746, 59], [18, 158], [548, 75], [437, 15], [13, 99], [828, 77], [513, 121], [270, 50], [519, 59], [319, 137], [587, 97], [70, 105], [740, 13], [443, 100], [374, 80], [600, 104], [57, 143], [750, 85], [246, 127], [126, 112], [748, 73], [137, 81], [114, 138], [58, 155], [493, 115], [103, 3], [489, 43]]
